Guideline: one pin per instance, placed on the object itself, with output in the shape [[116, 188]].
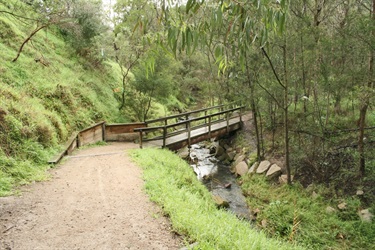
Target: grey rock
[[314, 195], [241, 168], [365, 215], [283, 179], [330, 210], [219, 151], [239, 159], [231, 155], [253, 167], [342, 205], [273, 172], [183, 153], [263, 167], [220, 202], [359, 192]]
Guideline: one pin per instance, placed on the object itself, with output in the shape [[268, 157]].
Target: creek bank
[[213, 164]]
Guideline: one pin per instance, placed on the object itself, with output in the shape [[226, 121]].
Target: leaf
[[281, 23], [218, 51], [189, 5]]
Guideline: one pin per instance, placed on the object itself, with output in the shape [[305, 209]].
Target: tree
[[79, 20], [242, 26]]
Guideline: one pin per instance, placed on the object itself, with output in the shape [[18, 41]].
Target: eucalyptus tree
[[135, 24], [233, 29], [79, 20]]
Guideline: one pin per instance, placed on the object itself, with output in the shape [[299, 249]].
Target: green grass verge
[[171, 183]]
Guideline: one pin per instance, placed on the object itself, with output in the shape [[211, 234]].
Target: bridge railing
[[187, 125], [191, 114]]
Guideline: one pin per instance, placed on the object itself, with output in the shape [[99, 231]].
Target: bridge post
[[140, 138], [189, 132], [241, 115], [227, 118], [209, 126], [164, 136]]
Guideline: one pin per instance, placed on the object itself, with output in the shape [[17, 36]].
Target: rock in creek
[[220, 202], [241, 168]]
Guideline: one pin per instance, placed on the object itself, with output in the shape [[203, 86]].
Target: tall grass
[[171, 183]]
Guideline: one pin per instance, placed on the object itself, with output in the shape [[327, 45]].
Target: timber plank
[[69, 146]]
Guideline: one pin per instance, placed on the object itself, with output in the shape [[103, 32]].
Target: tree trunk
[[254, 110], [364, 107], [286, 121]]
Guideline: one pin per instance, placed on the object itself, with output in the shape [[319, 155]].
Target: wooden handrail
[[185, 114], [187, 123]]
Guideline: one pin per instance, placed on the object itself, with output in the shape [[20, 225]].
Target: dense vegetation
[[305, 69]]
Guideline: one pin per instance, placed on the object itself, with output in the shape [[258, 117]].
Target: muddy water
[[217, 177]]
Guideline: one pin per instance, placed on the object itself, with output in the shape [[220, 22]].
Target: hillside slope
[[44, 96]]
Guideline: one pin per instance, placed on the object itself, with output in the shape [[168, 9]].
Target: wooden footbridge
[[185, 129], [173, 132]]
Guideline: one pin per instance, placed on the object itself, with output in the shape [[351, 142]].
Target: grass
[[40, 106], [171, 183], [295, 214]]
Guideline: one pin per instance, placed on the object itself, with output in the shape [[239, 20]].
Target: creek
[[218, 179]]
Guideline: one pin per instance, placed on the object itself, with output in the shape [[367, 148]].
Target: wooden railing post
[[241, 115], [209, 126], [189, 132], [227, 118], [164, 136], [103, 132], [140, 138], [186, 119]]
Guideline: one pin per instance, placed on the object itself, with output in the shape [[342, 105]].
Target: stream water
[[219, 180]]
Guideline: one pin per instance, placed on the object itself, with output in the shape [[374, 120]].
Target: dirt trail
[[93, 201]]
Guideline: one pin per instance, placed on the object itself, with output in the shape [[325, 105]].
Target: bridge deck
[[197, 134]]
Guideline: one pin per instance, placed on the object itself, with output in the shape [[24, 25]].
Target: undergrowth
[[44, 96], [295, 214], [171, 183]]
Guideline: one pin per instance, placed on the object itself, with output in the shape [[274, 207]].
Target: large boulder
[[273, 172], [263, 167], [241, 168], [239, 159]]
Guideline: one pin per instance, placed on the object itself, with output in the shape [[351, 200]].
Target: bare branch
[[28, 39], [273, 68], [18, 16]]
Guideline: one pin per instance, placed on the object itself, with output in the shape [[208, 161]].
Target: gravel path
[[94, 200]]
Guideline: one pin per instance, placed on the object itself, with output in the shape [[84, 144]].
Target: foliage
[[171, 183], [85, 26], [291, 213], [45, 96]]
